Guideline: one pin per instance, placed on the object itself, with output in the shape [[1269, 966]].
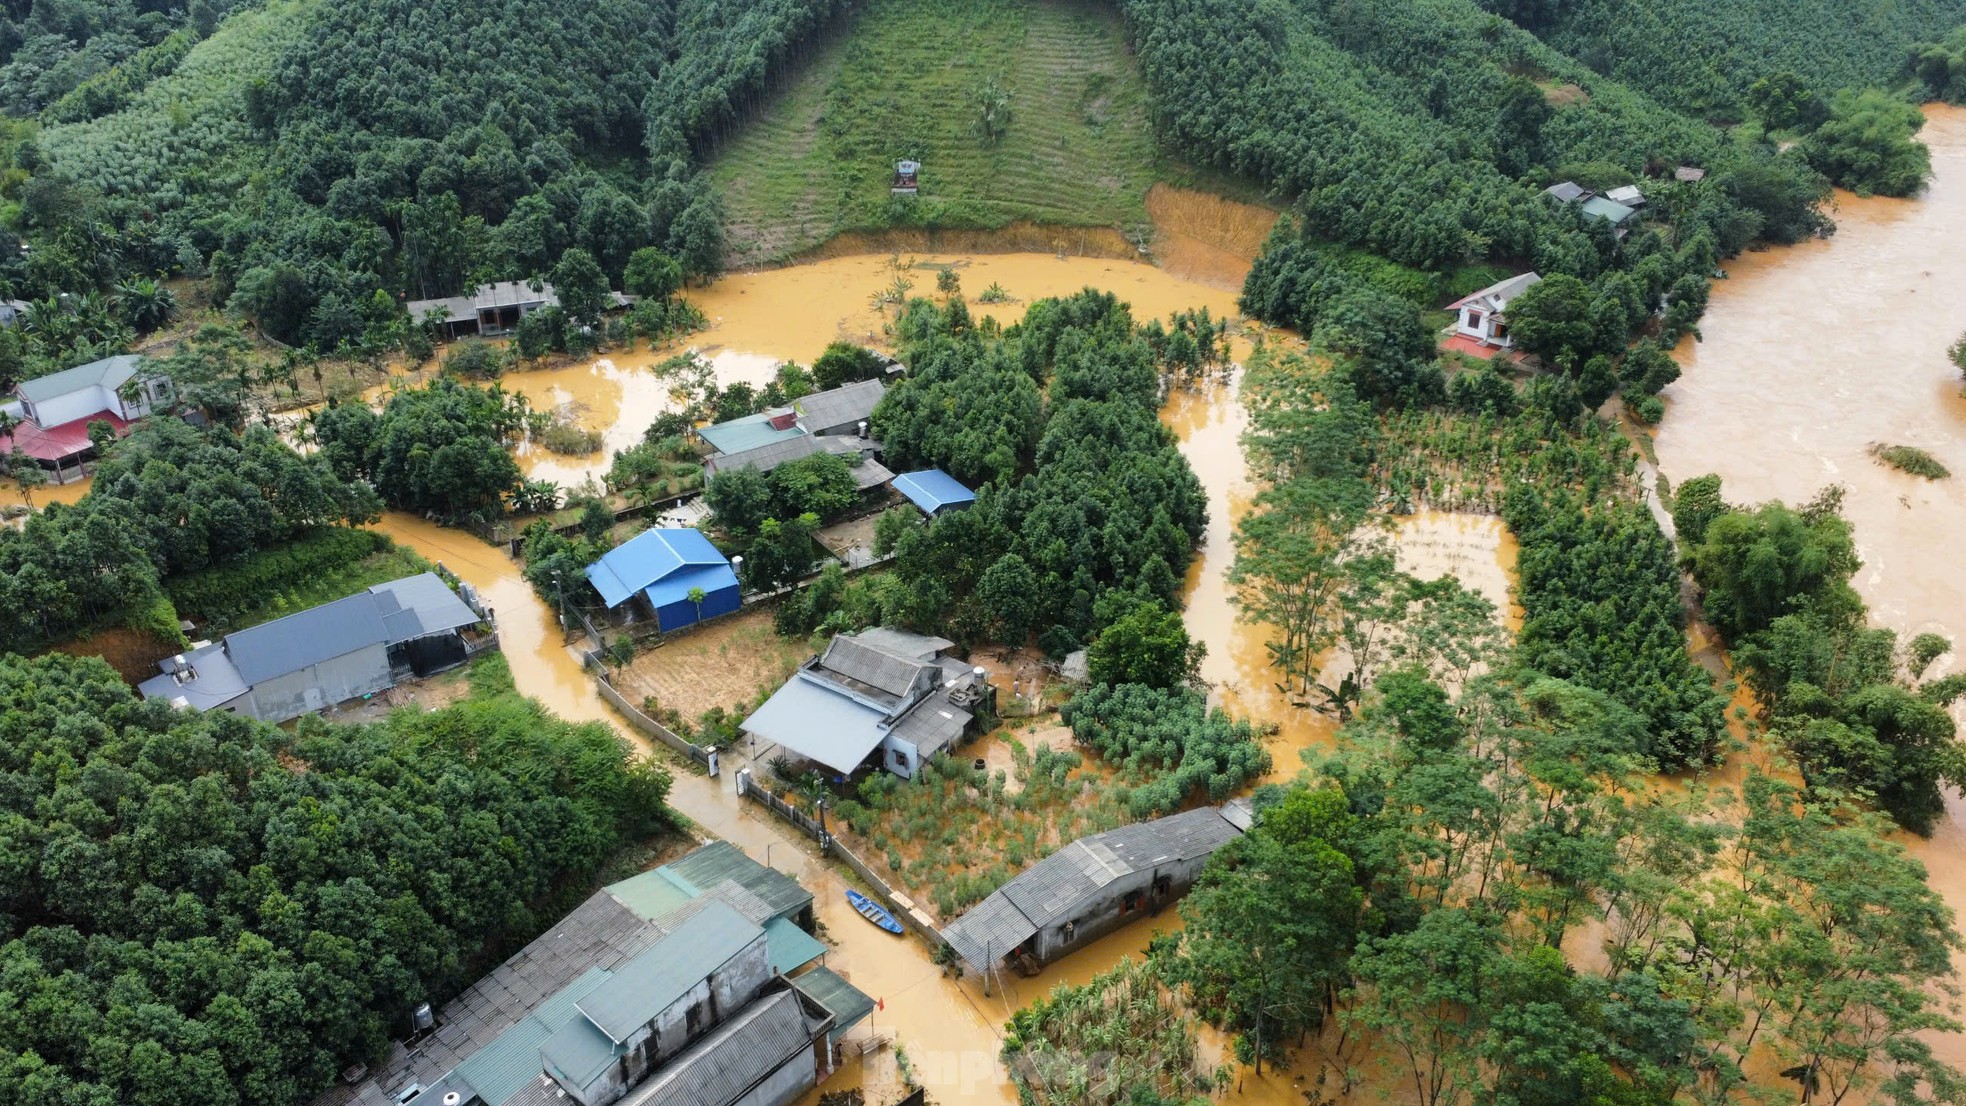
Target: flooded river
[[1813, 353]]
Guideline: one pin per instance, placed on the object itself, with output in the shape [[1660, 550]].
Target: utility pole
[[560, 595]]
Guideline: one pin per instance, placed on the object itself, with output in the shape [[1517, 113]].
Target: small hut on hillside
[[906, 173]]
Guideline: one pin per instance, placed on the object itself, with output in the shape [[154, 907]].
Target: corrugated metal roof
[[848, 1004], [988, 931], [749, 432], [675, 587], [864, 663], [1498, 294], [653, 893], [722, 861], [721, 1067], [578, 1052], [1063, 884], [504, 1067], [1608, 210], [306, 638], [788, 947], [932, 489], [904, 643], [810, 718], [110, 372], [766, 457], [214, 682], [1567, 191], [653, 981], [431, 606], [648, 557], [848, 403], [599, 934], [931, 725]]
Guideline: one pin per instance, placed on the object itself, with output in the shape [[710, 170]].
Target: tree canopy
[[202, 908]]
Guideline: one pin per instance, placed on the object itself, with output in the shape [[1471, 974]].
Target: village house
[[681, 986], [53, 412], [1629, 195], [12, 310], [1481, 317], [907, 178], [887, 690], [1567, 192], [309, 661], [663, 567], [933, 491], [1090, 888], [832, 421], [491, 310]]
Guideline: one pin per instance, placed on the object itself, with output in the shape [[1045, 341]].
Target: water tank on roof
[[422, 1019]]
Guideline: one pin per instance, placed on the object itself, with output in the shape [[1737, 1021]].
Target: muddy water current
[[1813, 354]]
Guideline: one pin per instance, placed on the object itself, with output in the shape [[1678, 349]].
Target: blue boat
[[873, 911]]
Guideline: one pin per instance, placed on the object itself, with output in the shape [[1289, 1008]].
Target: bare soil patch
[[132, 653], [727, 663]]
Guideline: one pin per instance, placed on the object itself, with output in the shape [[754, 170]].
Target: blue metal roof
[[675, 587], [648, 557], [932, 490]]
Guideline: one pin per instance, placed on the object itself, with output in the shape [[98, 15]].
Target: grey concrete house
[[656, 991], [312, 660], [882, 689], [491, 309], [1090, 888]]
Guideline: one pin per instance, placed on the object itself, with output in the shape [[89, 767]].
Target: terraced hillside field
[[902, 79]]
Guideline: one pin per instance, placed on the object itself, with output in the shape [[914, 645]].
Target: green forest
[[223, 912]]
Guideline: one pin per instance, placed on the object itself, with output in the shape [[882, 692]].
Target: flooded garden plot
[[957, 832]]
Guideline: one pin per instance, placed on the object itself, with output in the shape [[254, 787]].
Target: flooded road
[[1814, 352]]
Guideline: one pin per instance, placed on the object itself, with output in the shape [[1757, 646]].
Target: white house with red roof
[[55, 411]]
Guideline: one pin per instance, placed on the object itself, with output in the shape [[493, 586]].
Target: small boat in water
[[873, 911]]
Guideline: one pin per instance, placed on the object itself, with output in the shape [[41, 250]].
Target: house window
[[1474, 320]]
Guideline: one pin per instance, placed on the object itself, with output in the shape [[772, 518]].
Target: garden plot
[[729, 663]]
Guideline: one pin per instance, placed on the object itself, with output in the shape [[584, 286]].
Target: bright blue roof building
[[932, 490], [663, 566]]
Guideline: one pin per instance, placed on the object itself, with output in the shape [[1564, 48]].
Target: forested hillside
[[1703, 57], [322, 161]]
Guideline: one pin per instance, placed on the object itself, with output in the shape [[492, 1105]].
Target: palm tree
[[147, 305]]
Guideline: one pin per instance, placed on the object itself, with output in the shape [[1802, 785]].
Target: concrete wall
[[902, 757], [317, 687], [786, 1084], [726, 991], [1105, 916]]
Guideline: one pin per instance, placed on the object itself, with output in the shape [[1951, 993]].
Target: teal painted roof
[[848, 1004], [749, 432], [506, 1066], [667, 970], [654, 893], [1610, 211], [788, 947], [578, 1053], [720, 860]]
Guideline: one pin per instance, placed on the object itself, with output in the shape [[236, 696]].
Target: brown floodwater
[[1478, 549], [1813, 353]]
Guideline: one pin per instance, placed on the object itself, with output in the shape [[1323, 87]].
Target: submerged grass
[[1911, 459]]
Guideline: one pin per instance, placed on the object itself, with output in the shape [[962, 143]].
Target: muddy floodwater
[[1815, 352]]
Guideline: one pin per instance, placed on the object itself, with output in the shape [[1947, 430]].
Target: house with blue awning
[[663, 567]]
